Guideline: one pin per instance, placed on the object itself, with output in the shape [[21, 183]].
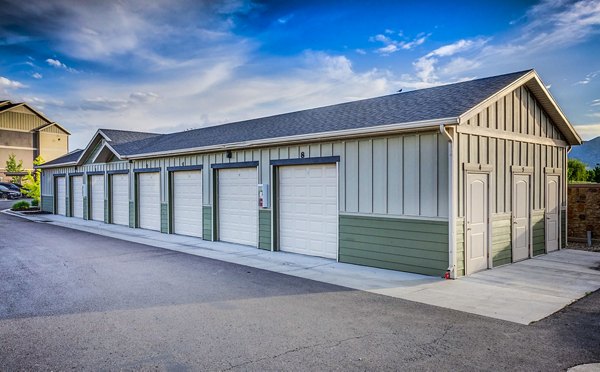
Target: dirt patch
[[595, 247]]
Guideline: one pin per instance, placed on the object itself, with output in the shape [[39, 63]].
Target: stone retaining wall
[[584, 211]]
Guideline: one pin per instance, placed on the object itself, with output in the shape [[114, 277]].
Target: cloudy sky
[[171, 65]]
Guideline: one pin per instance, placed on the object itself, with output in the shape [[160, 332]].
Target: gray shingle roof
[[68, 158], [118, 137], [424, 104], [446, 101]]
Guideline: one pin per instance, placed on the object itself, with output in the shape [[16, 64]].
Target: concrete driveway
[[80, 301], [524, 292]]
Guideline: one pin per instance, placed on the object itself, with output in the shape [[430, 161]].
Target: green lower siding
[[164, 218], [47, 203], [413, 245], [264, 229], [131, 214], [460, 247], [106, 212], [539, 234], [86, 208], [68, 211], [501, 240], [207, 222]]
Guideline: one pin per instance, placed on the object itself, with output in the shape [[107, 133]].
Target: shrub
[[19, 206], [34, 203]]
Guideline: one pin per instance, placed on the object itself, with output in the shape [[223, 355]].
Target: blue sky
[[171, 65]]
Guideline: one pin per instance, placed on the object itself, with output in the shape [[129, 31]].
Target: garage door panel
[[120, 199], [149, 201], [61, 196], [187, 203], [97, 197], [308, 209], [238, 206], [77, 196]]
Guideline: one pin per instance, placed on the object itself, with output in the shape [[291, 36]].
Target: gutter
[[452, 256], [347, 133]]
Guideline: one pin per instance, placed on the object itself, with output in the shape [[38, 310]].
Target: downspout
[[451, 204]]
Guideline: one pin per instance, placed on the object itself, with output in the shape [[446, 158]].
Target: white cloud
[[37, 75], [117, 104], [588, 78], [392, 46], [588, 131], [360, 51], [58, 64], [6, 84], [456, 47], [596, 102]]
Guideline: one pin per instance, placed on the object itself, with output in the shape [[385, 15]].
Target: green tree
[[576, 171], [594, 174], [13, 166], [31, 182]]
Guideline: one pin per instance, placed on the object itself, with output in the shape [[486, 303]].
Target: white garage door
[[149, 199], [238, 206], [77, 196], [61, 196], [308, 209], [187, 203], [120, 199], [97, 197]]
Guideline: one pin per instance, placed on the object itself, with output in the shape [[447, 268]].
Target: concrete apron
[[523, 292]]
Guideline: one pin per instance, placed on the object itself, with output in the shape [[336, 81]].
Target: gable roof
[[8, 105], [68, 159], [414, 110]]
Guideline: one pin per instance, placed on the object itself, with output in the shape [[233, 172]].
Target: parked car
[[14, 187], [6, 193]]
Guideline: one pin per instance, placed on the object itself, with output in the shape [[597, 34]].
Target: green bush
[[34, 203], [19, 206]]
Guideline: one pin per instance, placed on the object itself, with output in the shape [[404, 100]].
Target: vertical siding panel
[[543, 163], [314, 151], [492, 160], [265, 172], [483, 118], [411, 175], [380, 176], [501, 175], [284, 153], [428, 174], [365, 179], [492, 118], [442, 177], [463, 150], [536, 176], [507, 179], [501, 114], [394, 175], [509, 112], [473, 144], [338, 149], [305, 149], [352, 176], [523, 153], [327, 149], [524, 110], [530, 114], [517, 111], [483, 150]]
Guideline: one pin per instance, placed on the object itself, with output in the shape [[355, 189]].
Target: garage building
[[456, 178]]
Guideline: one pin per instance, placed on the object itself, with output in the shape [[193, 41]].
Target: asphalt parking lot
[[75, 300]]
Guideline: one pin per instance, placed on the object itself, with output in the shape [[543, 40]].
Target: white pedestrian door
[[77, 196], [61, 196], [149, 200], [521, 207], [477, 224], [187, 203], [552, 210], [97, 197], [119, 199], [238, 206], [308, 212]]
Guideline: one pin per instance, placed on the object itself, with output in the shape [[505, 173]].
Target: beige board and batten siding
[[391, 176], [513, 131]]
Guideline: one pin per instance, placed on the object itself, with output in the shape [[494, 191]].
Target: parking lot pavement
[[523, 292], [75, 300]]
